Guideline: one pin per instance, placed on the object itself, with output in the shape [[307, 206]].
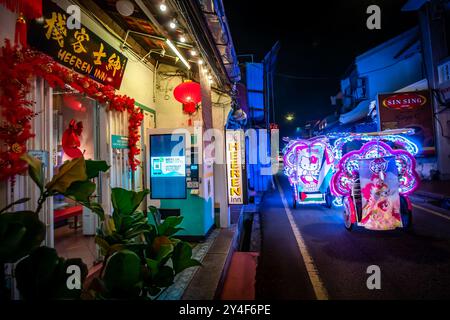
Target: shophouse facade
[[155, 59]]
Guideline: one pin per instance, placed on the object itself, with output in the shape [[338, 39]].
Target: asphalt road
[[413, 265]]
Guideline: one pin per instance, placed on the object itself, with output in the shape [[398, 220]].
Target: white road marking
[[319, 289], [431, 211]]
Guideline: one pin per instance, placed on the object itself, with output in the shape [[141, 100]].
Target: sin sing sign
[[76, 48], [235, 172], [409, 110]]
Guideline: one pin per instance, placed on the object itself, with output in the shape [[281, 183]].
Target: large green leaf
[[164, 277], [20, 232], [182, 257], [94, 167], [126, 202], [122, 275], [160, 276], [164, 253], [80, 190], [35, 169], [44, 275], [69, 172], [36, 274], [168, 227]]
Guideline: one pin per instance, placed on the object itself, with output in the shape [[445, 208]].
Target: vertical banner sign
[[380, 196], [409, 110], [78, 49], [233, 149]]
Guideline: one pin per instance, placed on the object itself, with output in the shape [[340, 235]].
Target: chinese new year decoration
[[26, 9], [71, 141], [19, 64], [189, 94]]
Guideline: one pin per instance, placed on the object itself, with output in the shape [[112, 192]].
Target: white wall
[[221, 106]]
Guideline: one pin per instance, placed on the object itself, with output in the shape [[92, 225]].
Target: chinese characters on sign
[[234, 166], [409, 110], [78, 49]]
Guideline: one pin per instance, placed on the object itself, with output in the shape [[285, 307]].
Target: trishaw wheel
[[347, 220], [328, 200], [407, 220], [294, 200]]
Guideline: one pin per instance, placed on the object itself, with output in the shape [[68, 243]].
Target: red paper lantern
[[73, 103], [189, 94]]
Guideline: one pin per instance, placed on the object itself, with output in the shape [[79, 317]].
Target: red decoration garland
[[18, 65], [32, 9]]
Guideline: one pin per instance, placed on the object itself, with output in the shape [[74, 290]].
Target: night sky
[[318, 40]]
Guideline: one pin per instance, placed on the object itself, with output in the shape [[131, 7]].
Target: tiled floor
[[73, 244]]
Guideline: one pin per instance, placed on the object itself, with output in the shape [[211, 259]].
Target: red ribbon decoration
[[70, 141]]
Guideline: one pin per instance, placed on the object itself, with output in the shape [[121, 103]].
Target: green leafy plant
[[140, 258], [43, 275], [21, 232]]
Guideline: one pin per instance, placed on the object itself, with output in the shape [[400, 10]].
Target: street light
[[163, 7], [289, 117]]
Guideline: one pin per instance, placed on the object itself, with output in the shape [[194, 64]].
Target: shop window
[[359, 89]]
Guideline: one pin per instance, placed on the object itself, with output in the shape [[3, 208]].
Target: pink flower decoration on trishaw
[[347, 168]]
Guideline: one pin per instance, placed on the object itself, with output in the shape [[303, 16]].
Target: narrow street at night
[[414, 264], [224, 159]]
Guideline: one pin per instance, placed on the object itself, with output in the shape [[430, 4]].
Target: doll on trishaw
[[374, 175]]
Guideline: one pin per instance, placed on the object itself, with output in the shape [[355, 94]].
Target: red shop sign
[[403, 101]]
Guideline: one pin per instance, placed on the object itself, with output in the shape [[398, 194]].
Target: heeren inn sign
[[78, 49], [233, 149]]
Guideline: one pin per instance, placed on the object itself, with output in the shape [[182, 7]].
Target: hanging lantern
[[189, 94], [72, 102]]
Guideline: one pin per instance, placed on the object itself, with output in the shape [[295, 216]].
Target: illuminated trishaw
[[374, 175], [309, 166]]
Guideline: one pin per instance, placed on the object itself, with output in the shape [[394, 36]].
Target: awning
[[358, 113], [419, 85]]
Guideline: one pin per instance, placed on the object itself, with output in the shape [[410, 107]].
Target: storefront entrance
[[75, 119]]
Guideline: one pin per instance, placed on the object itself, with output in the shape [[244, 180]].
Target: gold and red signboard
[[78, 49], [409, 110]]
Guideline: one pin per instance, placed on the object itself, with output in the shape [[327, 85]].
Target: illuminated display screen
[[168, 166]]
